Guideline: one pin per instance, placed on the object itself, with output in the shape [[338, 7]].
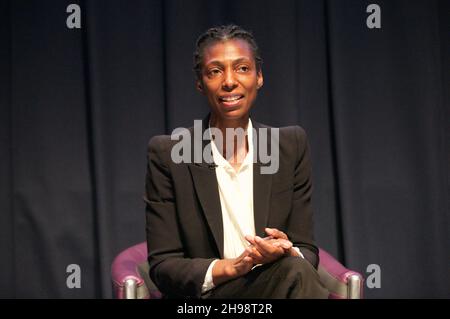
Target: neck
[[223, 124], [238, 148]]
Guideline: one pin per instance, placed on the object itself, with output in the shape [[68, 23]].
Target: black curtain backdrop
[[79, 105]]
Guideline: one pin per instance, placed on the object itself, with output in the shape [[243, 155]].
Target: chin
[[234, 115]]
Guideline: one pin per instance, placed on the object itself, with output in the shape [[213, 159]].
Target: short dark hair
[[224, 33]]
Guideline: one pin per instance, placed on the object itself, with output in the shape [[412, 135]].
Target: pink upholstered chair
[[131, 280]]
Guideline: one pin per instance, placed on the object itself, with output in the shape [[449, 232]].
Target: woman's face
[[229, 78]]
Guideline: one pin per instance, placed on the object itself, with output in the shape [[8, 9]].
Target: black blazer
[[183, 212]]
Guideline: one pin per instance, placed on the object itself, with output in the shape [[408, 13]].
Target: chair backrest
[[131, 280]]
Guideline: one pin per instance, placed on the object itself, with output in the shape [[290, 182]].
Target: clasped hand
[[260, 251], [269, 249]]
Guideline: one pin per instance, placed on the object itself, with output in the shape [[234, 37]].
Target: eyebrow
[[237, 61]]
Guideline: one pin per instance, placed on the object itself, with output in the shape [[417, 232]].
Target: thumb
[[286, 244]]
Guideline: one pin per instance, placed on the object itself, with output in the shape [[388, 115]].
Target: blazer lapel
[[262, 187], [206, 187], [205, 183]]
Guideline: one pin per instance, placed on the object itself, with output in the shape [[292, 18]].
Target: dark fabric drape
[[79, 105]]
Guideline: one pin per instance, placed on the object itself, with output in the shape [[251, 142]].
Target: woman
[[219, 226]]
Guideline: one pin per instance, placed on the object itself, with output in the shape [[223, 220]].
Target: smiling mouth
[[231, 100]]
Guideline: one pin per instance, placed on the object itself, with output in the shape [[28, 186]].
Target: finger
[[285, 244], [255, 255], [279, 234], [276, 233], [243, 255], [248, 260], [281, 243], [253, 252], [265, 248], [276, 243], [250, 239], [249, 251]]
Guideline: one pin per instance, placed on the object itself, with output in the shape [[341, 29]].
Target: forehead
[[227, 51]]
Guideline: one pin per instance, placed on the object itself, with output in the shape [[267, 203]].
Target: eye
[[243, 68], [213, 72]]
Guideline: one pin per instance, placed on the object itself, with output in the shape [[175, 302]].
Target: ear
[[259, 79], [199, 86]]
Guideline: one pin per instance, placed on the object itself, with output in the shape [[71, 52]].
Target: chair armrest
[[342, 283], [127, 281]]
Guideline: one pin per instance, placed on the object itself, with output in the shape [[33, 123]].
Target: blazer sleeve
[[170, 270], [301, 226]]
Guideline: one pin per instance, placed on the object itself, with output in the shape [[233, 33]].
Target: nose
[[229, 82]]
